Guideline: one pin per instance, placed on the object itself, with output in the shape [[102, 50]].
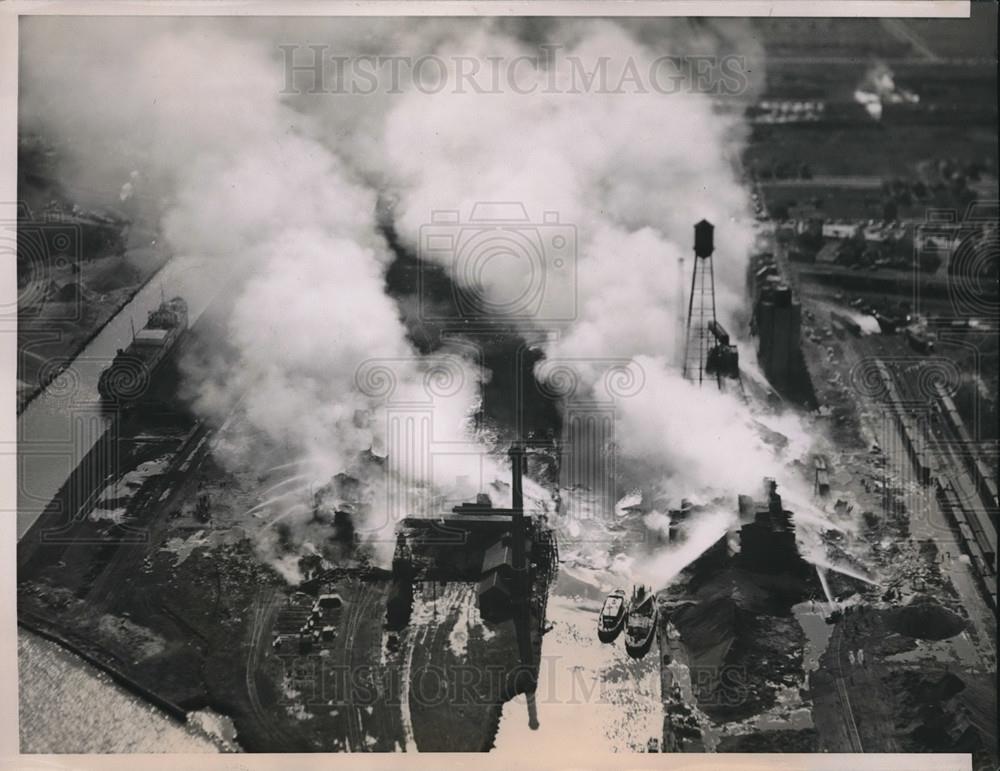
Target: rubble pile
[[947, 712], [742, 649], [924, 619]]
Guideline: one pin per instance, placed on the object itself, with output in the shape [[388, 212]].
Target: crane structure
[[707, 348]]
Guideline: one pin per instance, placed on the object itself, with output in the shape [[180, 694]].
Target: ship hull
[[129, 376], [639, 648], [611, 620], [608, 634], [638, 644]]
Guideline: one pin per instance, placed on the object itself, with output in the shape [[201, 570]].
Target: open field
[[873, 150], [889, 39], [847, 38], [958, 37], [955, 117]]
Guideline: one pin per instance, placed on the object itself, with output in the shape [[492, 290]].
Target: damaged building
[[767, 541], [777, 324], [497, 548]]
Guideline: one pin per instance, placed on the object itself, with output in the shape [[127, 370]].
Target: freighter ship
[[127, 378], [640, 623]]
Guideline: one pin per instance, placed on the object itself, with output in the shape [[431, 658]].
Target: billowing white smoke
[[320, 346], [632, 174], [700, 534], [702, 441], [313, 316], [263, 183]]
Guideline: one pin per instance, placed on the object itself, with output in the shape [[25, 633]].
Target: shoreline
[[46, 630], [40, 387]]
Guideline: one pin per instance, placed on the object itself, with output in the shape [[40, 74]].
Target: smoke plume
[[283, 190], [245, 179], [632, 174]]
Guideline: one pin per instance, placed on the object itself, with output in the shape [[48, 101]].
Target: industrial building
[[777, 323], [502, 550], [767, 542]]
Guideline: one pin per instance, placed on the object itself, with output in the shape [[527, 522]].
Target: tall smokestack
[[516, 454], [522, 614], [679, 335], [532, 711]]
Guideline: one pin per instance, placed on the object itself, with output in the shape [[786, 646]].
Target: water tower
[[707, 349]]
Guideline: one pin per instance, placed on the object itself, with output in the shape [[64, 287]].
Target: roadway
[[902, 31]]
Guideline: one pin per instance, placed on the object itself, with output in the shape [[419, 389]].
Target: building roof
[[498, 555], [829, 252], [501, 518], [494, 584], [501, 554]]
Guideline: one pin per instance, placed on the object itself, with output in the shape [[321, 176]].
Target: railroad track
[[355, 732], [355, 657], [845, 700], [262, 607], [153, 498], [435, 641], [941, 467]]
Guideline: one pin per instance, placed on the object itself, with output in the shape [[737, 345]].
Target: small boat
[[612, 618], [640, 622]]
